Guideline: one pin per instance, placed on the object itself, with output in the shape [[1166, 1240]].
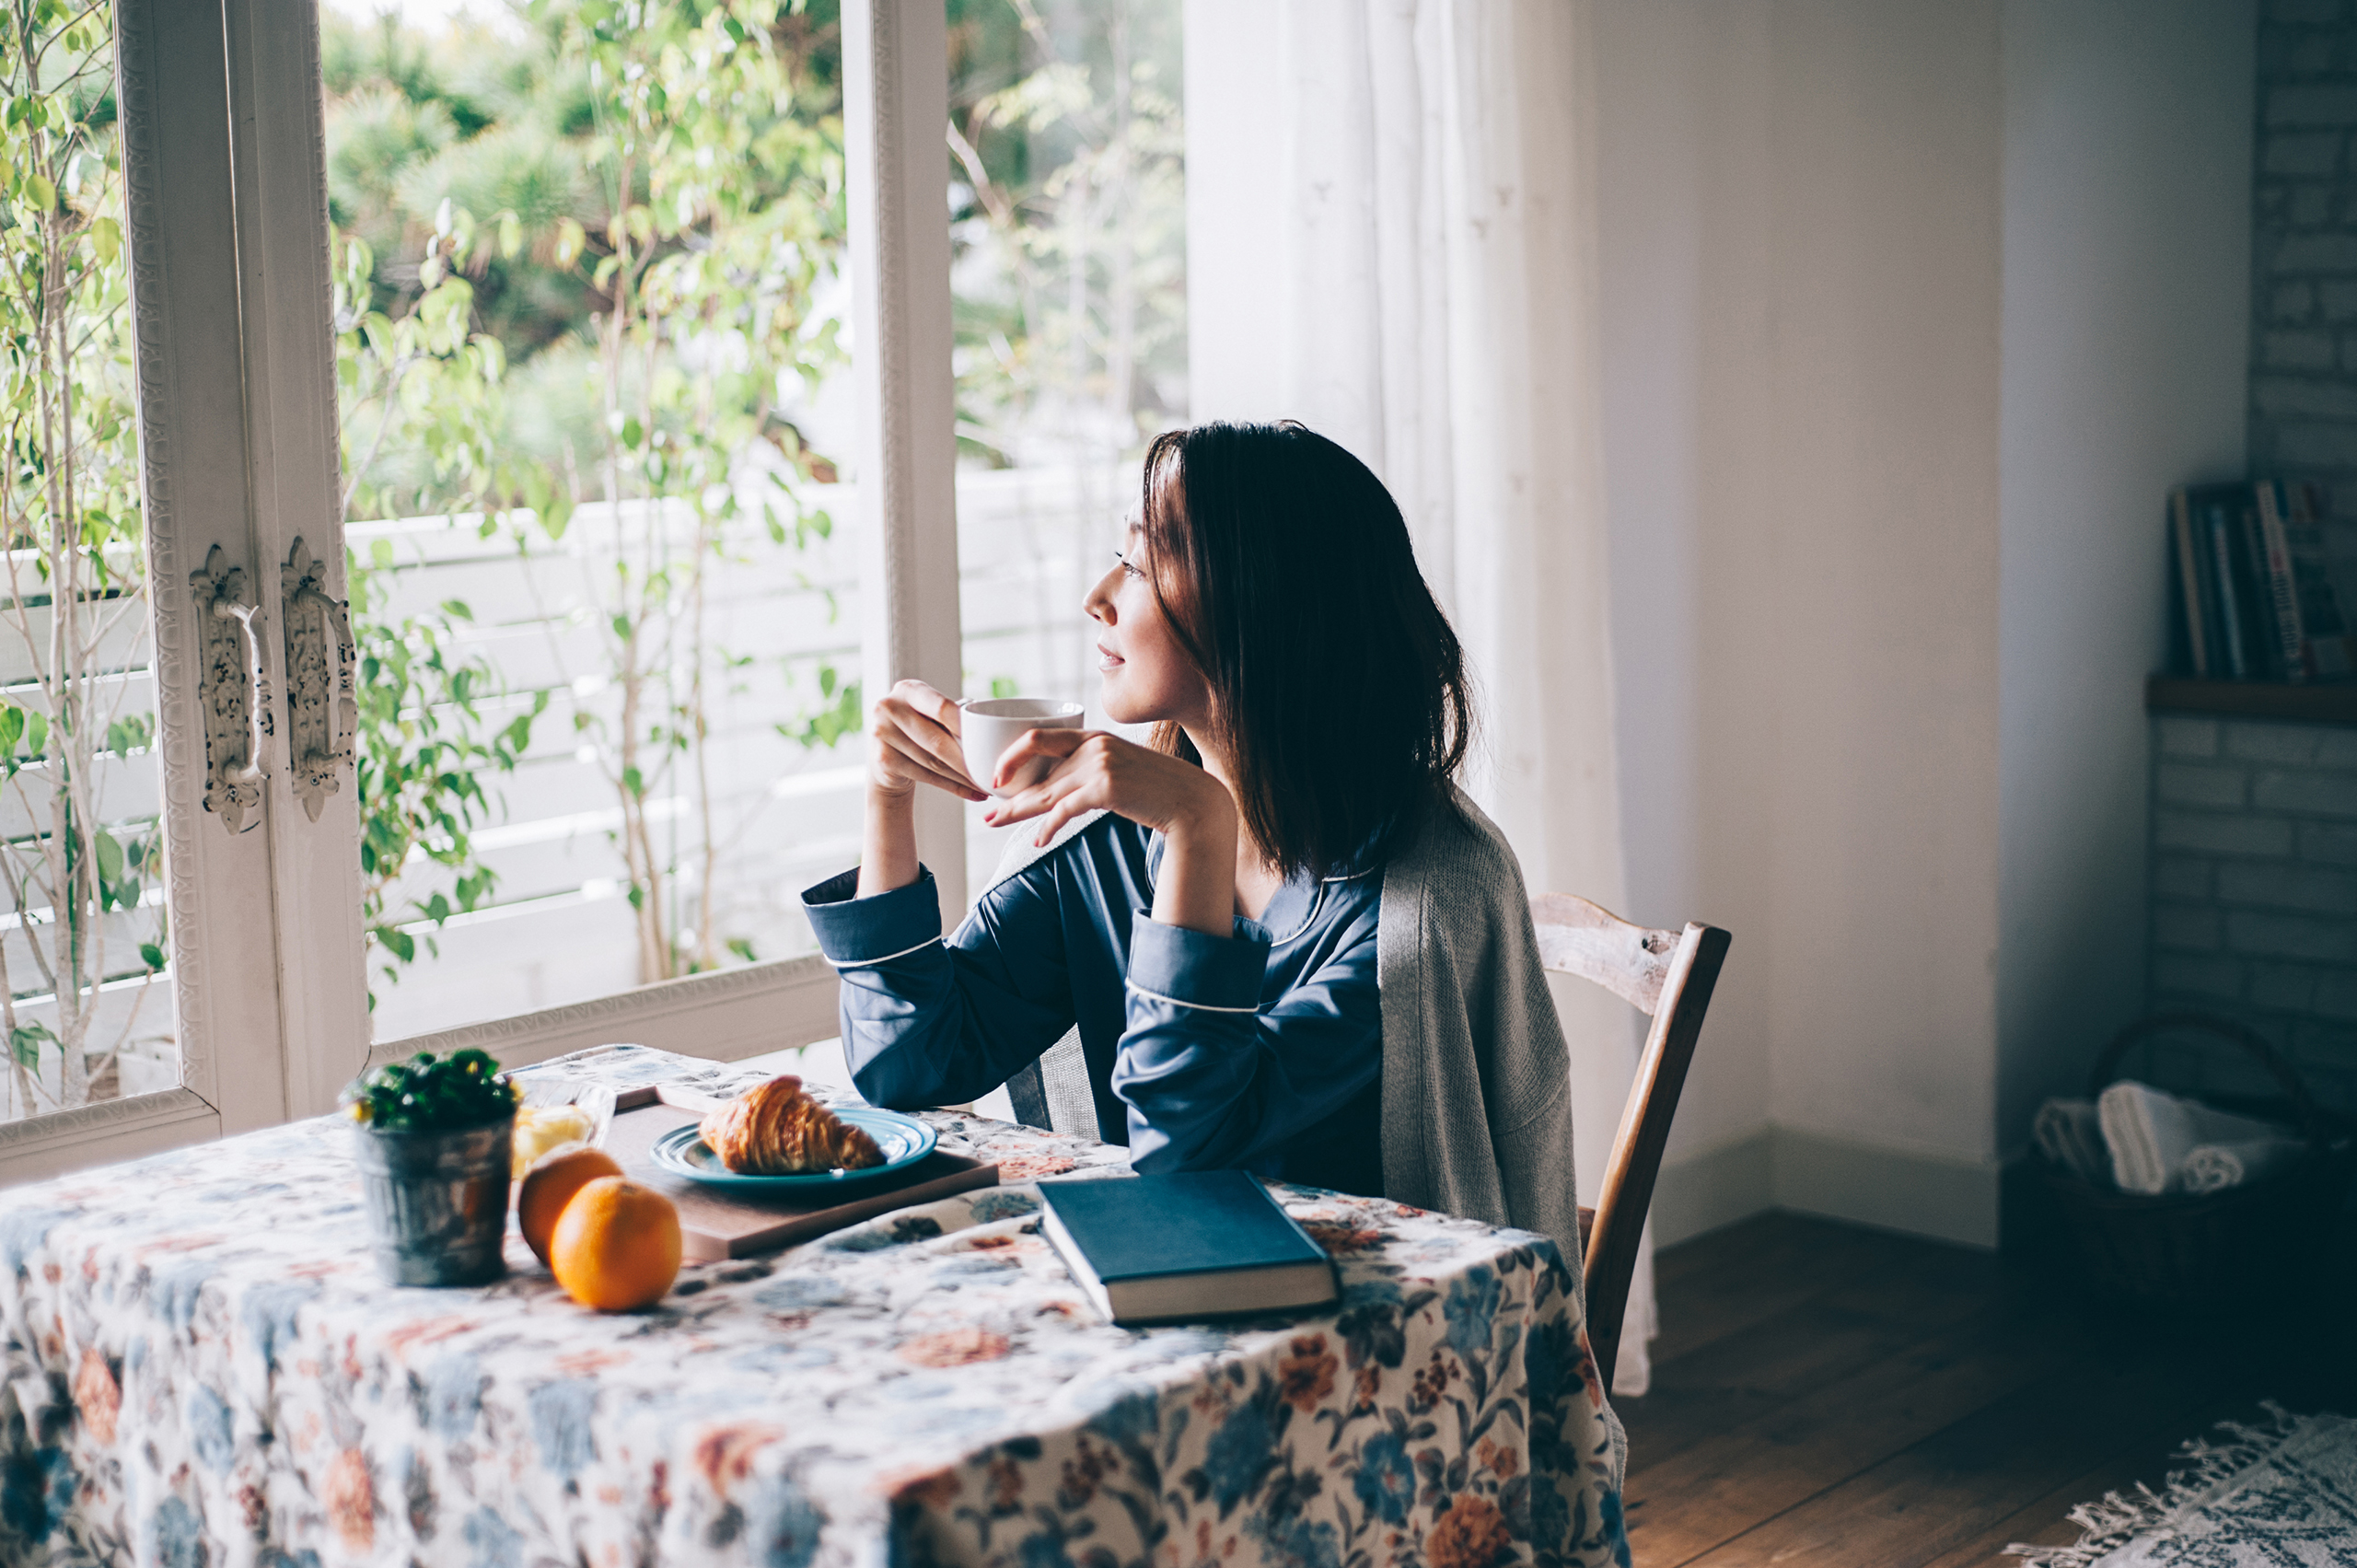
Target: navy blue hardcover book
[[1177, 1247]]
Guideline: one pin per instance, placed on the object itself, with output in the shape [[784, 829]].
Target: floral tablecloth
[[199, 1366]]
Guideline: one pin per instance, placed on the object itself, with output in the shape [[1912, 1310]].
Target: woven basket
[[2264, 1238]]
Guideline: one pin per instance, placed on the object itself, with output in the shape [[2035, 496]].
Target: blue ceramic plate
[[903, 1139]]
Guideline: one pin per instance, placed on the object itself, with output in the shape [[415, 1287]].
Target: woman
[[1288, 943]]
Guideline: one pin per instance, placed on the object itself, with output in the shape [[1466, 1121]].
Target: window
[[596, 392], [1068, 281], [225, 367], [760, 514], [87, 1009]]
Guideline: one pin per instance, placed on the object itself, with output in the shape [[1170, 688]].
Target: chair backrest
[[1669, 976]]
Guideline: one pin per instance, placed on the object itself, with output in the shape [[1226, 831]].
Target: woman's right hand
[[912, 739]]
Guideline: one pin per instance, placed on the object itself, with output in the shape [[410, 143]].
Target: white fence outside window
[[558, 928], [133, 1005]]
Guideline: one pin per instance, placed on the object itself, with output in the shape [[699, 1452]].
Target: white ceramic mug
[[988, 725]]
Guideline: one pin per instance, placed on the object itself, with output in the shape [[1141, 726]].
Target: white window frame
[[236, 417], [223, 152]]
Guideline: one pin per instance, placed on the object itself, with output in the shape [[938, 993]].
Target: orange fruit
[[550, 1185], [617, 1245]]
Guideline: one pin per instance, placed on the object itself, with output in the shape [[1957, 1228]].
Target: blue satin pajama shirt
[[1261, 1050]]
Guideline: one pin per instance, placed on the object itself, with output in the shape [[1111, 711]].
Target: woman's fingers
[[1027, 803], [1055, 745], [920, 722], [1062, 797], [896, 759], [923, 699], [1069, 807], [1075, 761], [929, 719], [1098, 772], [914, 762]]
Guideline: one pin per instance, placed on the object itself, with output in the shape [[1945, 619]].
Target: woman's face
[[1148, 677]]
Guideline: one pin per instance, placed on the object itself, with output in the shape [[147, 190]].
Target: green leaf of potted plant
[[432, 1138]]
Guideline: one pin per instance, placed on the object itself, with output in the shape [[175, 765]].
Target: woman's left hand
[[1192, 810], [1096, 771]]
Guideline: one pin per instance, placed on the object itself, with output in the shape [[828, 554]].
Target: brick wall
[[2255, 890], [2303, 256], [2254, 873], [2304, 246]]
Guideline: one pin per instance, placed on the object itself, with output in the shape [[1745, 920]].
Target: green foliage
[[70, 521], [839, 714], [425, 746], [720, 196], [429, 1095], [421, 390], [583, 267], [121, 867], [1069, 227], [663, 187], [25, 1042], [496, 123]]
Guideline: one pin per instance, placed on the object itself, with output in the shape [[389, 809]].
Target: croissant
[[774, 1129]]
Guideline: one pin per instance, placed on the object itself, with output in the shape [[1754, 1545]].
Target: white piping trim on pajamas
[[1198, 1006], [869, 963]]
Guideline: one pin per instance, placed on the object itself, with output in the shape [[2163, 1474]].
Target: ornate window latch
[[321, 716], [233, 687]]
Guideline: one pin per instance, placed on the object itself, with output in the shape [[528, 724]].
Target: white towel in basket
[[2152, 1134], [2213, 1168], [2070, 1132]]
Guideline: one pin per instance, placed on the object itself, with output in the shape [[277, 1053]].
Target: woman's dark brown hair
[[1338, 688]]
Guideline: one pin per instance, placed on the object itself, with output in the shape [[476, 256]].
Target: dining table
[[200, 1365]]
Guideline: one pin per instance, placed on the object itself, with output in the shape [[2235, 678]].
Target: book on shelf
[[2324, 585], [2260, 587], [1184, 1246], [2191, 580], [2272, 559], [2231, 598]]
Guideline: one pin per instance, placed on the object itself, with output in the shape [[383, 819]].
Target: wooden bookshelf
[[2326, 703]]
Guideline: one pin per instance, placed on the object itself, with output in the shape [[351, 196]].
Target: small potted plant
[[432, 1138]]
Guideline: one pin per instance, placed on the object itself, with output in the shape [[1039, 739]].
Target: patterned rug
[[2278, 1495]]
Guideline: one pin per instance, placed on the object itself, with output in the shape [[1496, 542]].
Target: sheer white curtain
[[1391, 237]]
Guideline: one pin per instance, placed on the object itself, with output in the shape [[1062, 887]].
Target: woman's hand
[[1092, 770], [912, 739], [1192, 811]]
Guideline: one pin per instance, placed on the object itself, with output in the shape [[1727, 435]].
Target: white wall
[[1913, 312], [2128, 167], [1683, 226], [1801, 281], [1882, 393]]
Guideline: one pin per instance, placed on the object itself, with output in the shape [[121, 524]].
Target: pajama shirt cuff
[[1192, 968], [855, 933]]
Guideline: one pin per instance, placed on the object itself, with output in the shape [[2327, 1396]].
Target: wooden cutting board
[[716, 1224]]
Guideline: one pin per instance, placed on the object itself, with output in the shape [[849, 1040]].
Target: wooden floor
[[1831, 1396]]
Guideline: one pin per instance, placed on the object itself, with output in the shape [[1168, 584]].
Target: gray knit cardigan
[[1477, 1094]]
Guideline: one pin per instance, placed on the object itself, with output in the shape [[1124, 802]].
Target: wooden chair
[[1667, 976]]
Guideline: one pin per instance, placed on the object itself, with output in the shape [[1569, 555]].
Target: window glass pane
[[83, 965], [594, 398], [1068, 223]]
